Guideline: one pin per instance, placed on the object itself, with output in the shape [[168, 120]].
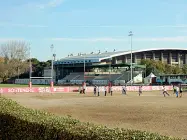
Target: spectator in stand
[[165, 91]]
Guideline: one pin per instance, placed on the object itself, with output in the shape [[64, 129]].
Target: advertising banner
[[76, 89]]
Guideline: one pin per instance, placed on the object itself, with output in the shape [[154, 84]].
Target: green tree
[[176, 70], [157, 67], [184, 69], [38, 67], [168, 69], [14, 55]]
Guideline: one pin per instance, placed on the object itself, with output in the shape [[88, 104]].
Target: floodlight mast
[[30, 68], [52, 47], [84, 68], [131, 34]]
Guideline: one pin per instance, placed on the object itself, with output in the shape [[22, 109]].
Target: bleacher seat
[[79, 76]]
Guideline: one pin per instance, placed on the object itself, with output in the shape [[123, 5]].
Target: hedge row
[[20, 123]]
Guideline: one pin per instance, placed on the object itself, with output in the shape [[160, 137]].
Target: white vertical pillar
[[161, 56], [170, 58], [125, 59], [135, 60], [153, 56], [178, 58], [185, 58], [144, 56]]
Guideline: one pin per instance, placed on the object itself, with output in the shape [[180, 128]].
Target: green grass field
[[18, 85]]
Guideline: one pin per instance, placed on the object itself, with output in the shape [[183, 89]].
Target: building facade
[[116, 60]]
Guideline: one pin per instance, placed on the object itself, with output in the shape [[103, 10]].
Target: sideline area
[[151, 111]]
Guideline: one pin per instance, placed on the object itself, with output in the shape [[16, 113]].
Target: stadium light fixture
[[52, 47], [131, 34]]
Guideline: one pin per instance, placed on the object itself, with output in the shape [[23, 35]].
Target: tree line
[[14, 61], [158, 67]]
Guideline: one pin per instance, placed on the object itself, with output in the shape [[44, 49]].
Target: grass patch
[[18, 122]]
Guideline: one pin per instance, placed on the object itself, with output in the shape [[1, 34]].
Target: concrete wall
[[34, 81]]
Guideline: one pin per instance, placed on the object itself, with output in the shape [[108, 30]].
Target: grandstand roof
[[97, 57]]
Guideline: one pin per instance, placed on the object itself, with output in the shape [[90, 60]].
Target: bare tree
[[3, 71], [15, 54], [15, 50]]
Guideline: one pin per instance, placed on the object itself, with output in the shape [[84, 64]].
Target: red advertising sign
[[61, 89], [76, 89]]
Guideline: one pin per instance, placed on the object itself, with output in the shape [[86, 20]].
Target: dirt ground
[[151, 111]]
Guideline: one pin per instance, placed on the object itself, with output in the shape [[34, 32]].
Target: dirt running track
[[151, 111]]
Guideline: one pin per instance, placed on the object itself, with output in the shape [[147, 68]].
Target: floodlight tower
[[52, 47], [30, 68], [131, 34]]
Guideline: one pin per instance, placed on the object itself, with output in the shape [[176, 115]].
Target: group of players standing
[[97, 90], [124, 90], [178, 91]]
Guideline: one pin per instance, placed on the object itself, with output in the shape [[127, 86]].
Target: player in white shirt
[[140, 90], [105, 90], [177, 91], [95, 90], [111, 90], [180, 91], [165, 91], [84, 88], [98, 90], [124, 90]]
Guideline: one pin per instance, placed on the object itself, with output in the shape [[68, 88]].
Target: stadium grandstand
[[103, 67]]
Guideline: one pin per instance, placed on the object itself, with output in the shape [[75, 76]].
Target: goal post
[[42, 78]]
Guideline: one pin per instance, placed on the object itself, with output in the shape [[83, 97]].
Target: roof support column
[[153, 55], [161, 57], [57, 72], [115, 60], [125, 59], [170, 58], [135, 60], [185, 59], [178, 58], [144, 56]]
